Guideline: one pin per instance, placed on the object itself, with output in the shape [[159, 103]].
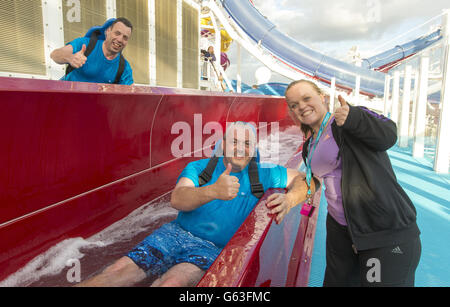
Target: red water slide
[[77, 157]]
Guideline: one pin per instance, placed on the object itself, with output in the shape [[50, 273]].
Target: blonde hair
[[305, 128], [314, 86]]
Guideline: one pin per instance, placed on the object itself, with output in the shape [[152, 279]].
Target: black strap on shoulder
[[92, 42], [90, 47], [120, 70], [206, 175], [256, 186]]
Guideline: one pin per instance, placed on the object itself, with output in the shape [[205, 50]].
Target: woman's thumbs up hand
[[341, 113]]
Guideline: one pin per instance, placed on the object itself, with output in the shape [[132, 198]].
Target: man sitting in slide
[[214, 197]]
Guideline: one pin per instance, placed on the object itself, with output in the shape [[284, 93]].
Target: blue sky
[[333, 27]]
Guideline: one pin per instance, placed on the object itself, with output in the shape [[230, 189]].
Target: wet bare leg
[[180, 275], [124, 272]]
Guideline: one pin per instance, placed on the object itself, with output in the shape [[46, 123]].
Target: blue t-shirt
[[218, 220], [98, 68]]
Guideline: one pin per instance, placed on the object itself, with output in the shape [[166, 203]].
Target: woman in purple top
[[372, 235]]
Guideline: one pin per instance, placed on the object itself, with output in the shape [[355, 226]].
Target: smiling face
[[306, 104], [239, 146], [117, 38]]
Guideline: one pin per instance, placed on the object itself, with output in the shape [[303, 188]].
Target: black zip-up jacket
[[378, 211]]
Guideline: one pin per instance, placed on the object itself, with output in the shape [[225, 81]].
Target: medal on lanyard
[[308, 208]]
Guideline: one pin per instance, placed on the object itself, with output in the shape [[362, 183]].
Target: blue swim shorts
[[171, 245]]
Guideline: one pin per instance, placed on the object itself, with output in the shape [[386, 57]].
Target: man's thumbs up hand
[[83, 49], [228, 169], [78, 59], [226, 186], [341, 113]]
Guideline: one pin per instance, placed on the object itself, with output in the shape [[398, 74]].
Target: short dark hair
[[123, 20]]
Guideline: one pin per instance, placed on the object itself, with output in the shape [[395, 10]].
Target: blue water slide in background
[[402, 51], [272, 88], [316, 64], [311, 62]]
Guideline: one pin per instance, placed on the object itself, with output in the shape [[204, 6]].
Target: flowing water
[[54, 268]]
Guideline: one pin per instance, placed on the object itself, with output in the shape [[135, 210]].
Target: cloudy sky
[[333, 27]]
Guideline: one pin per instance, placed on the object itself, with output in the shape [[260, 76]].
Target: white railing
[[426, 126]]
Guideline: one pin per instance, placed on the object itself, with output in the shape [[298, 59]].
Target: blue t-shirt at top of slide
[[218, 220], [98, 68]]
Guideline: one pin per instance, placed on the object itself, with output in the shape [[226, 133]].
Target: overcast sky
[[333, 27]]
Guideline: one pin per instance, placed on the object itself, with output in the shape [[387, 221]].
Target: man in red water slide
[[214, 196]]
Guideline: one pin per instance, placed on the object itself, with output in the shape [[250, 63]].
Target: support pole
[[332, 94], [387, 90], [238, 77], [179, 43], [152, 41], [421, 109], [404, 118], [395, 97], [111, 9], [414, 106], [53, 19], [357, 90]]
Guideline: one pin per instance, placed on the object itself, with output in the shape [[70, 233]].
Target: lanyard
[[311, 152]]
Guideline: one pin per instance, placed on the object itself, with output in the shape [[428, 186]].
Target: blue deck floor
[[430, 194]]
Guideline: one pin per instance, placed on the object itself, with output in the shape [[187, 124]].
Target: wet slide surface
[[78, 158]]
